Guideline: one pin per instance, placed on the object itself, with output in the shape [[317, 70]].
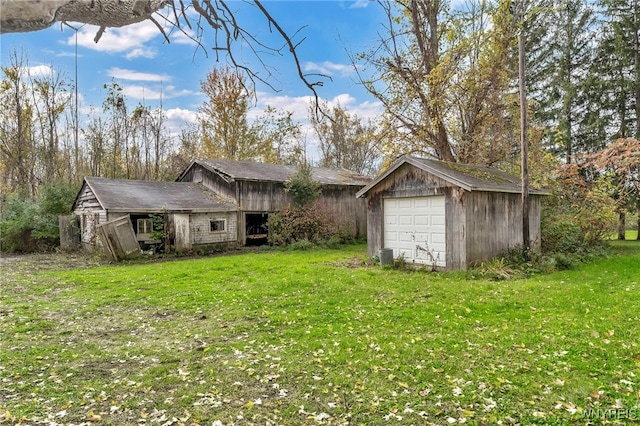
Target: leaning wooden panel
[[119, 239]]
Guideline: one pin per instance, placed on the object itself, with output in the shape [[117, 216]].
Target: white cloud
[[116, 40], [368, 110], [343, 99], [142, 52], [126, 74], [180, 114], [141, 92], [359, 4], [298, 105], [40, 71], [178, 119], [153, 92], [329, 68], [179, 37]]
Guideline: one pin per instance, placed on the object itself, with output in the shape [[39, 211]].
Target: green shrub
[[579, 216], [299, 223], [561, 236], [28, 225], [303, 188], [17, 223]]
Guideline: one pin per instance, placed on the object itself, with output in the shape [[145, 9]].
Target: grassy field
[[317, 337]]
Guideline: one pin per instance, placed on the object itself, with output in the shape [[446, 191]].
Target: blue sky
[[138, 58]]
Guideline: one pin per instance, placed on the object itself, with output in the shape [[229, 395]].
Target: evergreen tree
[[560, 36], [617, 67]]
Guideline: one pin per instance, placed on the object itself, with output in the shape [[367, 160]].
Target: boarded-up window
[[218, 225], [197, 176]]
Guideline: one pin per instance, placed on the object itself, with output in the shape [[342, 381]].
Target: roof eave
[[173, 211], [227, 177], [95, 194], [408, 159], [442, 175], [184, 172]]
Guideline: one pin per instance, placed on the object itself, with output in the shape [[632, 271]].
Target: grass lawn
[[315, 337]]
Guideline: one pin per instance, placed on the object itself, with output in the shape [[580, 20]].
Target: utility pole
[[524, 140], [76, 124]]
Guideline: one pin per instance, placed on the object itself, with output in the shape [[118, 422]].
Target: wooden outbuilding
[[258, 189], [446, 215], [193, 215]]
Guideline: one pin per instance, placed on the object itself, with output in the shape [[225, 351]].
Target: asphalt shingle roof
[[244, 170], [153, 196]]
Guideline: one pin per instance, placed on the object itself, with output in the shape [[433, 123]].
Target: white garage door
[[415, 228]]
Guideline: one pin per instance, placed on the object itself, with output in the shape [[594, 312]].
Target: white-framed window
[[145, 226], [217, 225]]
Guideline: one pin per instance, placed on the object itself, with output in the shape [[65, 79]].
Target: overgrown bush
[[315, 224], [28, 225], [308, 222], [299, 223], [577, 219], [579, 215]]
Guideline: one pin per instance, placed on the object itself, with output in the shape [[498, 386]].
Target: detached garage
[[446, 215]]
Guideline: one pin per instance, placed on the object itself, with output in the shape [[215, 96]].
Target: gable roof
[[231, 171], [467, 176], [133, 196]]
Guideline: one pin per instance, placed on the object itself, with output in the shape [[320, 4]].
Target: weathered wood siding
[[118, 238], [535, 215], [90, 214], [262, 196], [406, 181], [456, 228], [200, 228], [479, 225], [349, 212], [494, 223], [212, 181], [267, 196], [180, 227]]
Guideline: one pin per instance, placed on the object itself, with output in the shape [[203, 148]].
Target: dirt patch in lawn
[[34, 262]]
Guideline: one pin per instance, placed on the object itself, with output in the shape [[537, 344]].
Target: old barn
[[195, 216], [258, 190], [447, 215], [214, 202]]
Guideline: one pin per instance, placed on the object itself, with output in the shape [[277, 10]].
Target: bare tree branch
[[192, 17]]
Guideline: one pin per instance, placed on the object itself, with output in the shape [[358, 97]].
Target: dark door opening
[[257, 231]]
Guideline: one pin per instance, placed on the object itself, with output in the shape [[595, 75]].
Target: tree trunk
[[638, 213], [622, 224], [636, 58]]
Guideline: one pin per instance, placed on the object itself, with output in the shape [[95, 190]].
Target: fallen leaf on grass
[[92, 417]]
